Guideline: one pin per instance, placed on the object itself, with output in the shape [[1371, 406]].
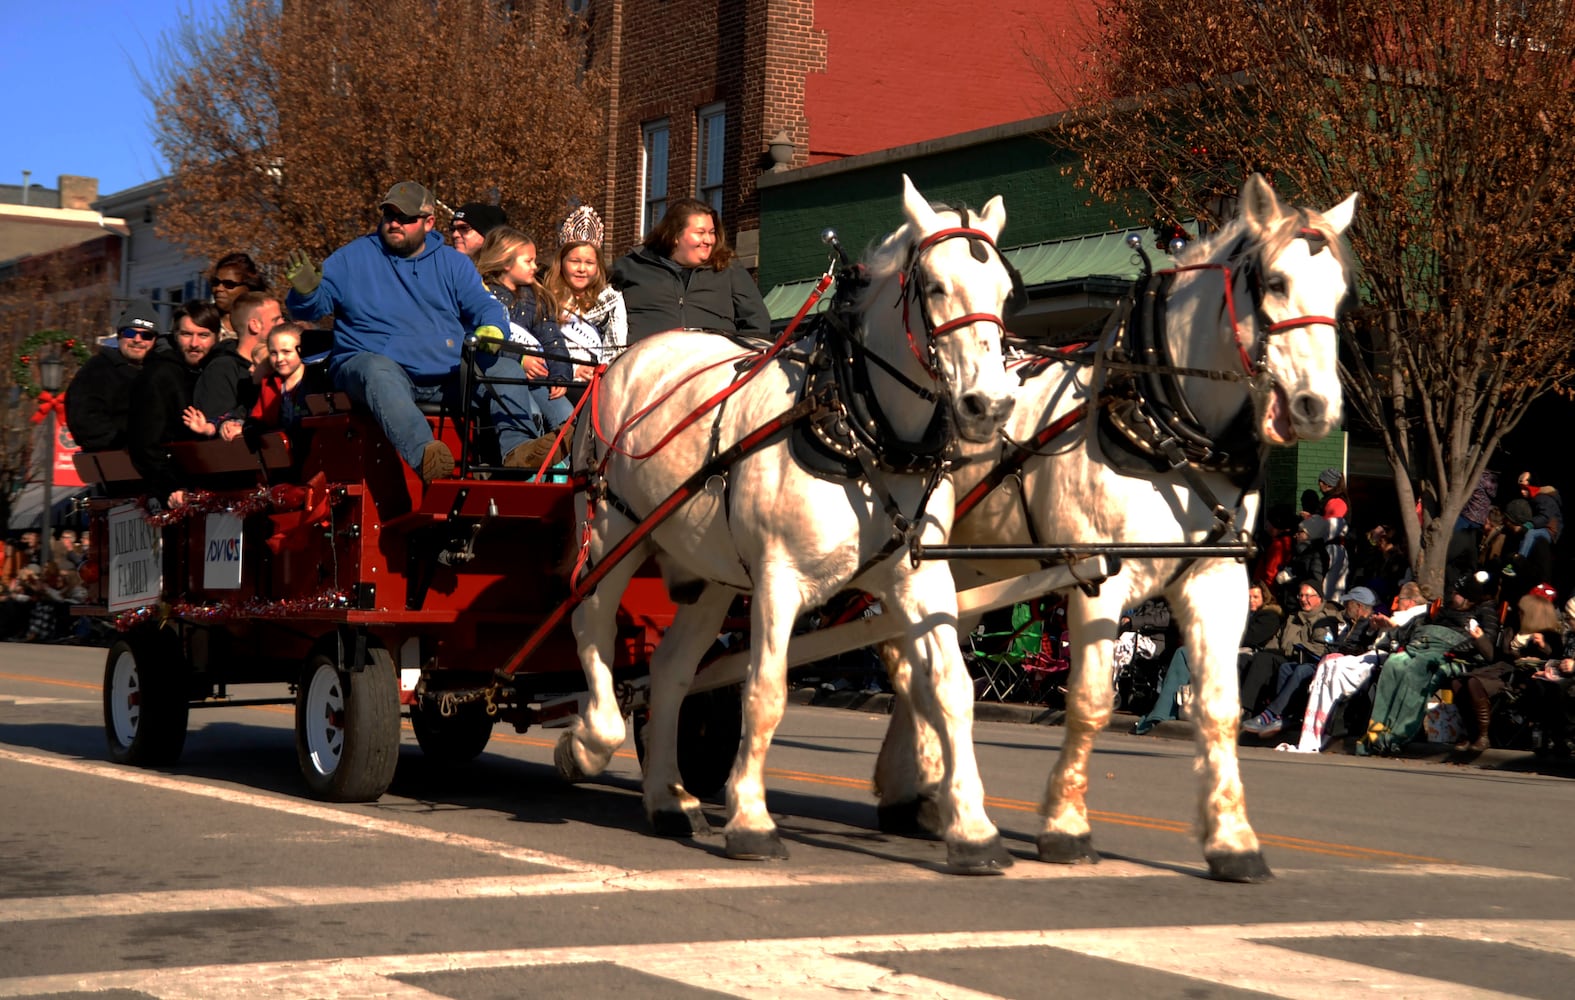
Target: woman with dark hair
[[683, 276], [233, 275]]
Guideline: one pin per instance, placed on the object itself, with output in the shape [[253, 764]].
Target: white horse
[[1285, 273], [930, 317]]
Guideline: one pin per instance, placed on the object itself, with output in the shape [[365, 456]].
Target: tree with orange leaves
[[284, 122], [1456, 121]]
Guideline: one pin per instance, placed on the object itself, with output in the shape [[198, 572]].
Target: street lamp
[[50, 370]]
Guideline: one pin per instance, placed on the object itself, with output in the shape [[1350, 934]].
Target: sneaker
[[1143, 727], [1263, 726], [437, 462]]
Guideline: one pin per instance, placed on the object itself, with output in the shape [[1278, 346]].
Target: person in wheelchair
[[403, 302]]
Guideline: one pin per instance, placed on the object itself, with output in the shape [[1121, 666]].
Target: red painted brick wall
[[902, 71]]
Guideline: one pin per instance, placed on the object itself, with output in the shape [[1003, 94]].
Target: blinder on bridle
[[979, 245]]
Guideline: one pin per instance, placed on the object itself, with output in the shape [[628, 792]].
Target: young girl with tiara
[[591, 314]]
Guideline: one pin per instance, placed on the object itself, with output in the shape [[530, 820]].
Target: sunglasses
[[228, 285], [389, 215], [138, 335], [460, 228]]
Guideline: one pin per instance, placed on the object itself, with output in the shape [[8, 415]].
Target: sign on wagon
[[134, 572]]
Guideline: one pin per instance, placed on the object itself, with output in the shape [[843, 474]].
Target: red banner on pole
[[65, 472]]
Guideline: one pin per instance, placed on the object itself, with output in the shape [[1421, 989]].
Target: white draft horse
[[930, 320], [1261, 345]]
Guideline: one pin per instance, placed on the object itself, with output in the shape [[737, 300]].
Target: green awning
[[1043, 267]]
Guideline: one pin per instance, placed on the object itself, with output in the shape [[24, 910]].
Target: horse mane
[[1279, 235]]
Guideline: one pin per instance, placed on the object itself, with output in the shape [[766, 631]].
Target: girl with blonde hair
[[591, 313], [507, 262]]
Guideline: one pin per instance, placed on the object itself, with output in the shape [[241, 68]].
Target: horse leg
[[586, 747], [908, 770], [1066, 838], [751, 834], [673, 812], [942, 696], [1211, 637]]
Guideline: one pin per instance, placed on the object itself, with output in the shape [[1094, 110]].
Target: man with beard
[[403, 302], [161, 394], [97, 399]]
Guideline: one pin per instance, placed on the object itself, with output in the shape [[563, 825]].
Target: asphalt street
[[219, 877]]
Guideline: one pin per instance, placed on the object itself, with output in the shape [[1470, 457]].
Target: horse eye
[[1275, 285]]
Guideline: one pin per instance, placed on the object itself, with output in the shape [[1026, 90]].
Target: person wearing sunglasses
[[403, 303], [233, 275], [99, 395], [472, 222]]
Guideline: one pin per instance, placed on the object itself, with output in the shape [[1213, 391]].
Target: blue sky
[[72, 101]]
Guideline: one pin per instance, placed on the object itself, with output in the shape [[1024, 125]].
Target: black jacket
[[660, 295], [226, 389], [158, 396], [97, 401]]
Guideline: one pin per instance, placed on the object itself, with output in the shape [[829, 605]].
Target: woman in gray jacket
[[683, 276]]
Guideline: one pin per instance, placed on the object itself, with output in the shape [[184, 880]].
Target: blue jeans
[[556, 411], [382, 386], [1293, 677], [1530, 541], [1178, 674]]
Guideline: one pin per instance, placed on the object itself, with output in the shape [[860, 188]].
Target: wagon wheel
[[145, 699], [710, 725], [452, 739], [347, 727]]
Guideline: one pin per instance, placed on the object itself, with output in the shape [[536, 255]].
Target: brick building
[[709, 94]]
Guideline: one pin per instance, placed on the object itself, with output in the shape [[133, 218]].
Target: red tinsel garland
[[332, 600]]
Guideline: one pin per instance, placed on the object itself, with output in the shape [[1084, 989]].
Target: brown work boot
[[532, 454], [437, 462]]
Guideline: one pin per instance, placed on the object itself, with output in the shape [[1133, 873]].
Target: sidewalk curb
[[879, 703]]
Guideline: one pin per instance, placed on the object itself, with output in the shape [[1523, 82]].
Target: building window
[[654, 172], [711, 127]]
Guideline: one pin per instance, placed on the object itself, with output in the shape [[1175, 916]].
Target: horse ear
[[994, 215], [919, 210], [1259, 206], [1340, 216]]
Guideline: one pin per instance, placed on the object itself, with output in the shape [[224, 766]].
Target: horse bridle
[[1251, 366], [909, 287]]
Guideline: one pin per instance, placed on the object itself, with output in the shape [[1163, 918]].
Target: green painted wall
[[1294, 469], [864, 205]]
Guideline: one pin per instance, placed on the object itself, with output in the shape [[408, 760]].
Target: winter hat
[[481, 217], [1329, 478], [1362, 595], [139, 314], [1546, 592], [1517, 511], [1317, 528], [582, 226], [1474, 588]]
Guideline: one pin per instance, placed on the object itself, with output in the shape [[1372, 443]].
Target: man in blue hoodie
[[403, 302]]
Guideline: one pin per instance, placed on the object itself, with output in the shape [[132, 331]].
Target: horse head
[[952, 285], [1288, 272]]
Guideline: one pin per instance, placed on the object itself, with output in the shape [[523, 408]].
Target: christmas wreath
[[27, 354]]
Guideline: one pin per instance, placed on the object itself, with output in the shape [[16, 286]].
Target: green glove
[[301, 273], [489, 333], [1526, 526]]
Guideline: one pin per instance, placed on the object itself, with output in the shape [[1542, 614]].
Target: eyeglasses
[[130, 334], [389, 215], [228, 285], [460, 229]]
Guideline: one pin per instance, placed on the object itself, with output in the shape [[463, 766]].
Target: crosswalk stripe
[[735, 876], [1243, 956]]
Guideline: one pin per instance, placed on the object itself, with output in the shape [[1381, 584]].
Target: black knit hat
[[481, 217], [139, 314]]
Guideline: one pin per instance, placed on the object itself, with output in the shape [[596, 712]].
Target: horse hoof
[[1065, 849], [679, 823], [1239, 866], [914, 818], [986, 857], [756, 845], [563, 757]]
